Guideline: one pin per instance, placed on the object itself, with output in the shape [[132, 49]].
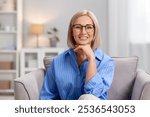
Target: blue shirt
[[65, 80]]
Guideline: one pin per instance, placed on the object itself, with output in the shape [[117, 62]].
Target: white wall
[[58, 13]]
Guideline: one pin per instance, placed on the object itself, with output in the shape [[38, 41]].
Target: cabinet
[[32, 59], [10, 42]]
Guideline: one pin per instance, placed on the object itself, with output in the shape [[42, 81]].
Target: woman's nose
[[83, 30]]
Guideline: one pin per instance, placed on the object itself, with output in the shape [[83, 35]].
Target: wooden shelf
[[6, 91], [8, 12], [8, 51], [8, 71], [8, 32]]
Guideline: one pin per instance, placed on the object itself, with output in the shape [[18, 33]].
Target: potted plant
[[53, 36]]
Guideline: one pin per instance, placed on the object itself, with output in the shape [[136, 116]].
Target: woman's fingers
[[77, 48]]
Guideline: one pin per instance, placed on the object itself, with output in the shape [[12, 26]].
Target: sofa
[[129, 83]]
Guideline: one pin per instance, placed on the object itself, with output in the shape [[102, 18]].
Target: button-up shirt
[[65, 79]]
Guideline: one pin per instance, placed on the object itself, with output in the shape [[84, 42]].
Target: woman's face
[[83, 30]]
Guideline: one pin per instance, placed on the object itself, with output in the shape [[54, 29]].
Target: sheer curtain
[[118, 42], [139, 31], [139, 17], [129, 29]]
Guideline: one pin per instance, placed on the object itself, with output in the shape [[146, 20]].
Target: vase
[[53, 43]]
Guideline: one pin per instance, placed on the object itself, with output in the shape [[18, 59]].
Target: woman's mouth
[[83, 38]]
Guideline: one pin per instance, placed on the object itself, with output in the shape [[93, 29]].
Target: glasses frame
[[85, 26]]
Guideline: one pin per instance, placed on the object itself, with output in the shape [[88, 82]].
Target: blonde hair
[[96, 38]]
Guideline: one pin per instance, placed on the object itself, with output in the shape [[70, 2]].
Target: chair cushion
[[124, 77]]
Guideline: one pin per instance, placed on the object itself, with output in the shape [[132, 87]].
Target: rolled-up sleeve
[[101, 81]]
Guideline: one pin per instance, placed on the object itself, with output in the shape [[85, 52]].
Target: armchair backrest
[[28, 86], [124, 77]]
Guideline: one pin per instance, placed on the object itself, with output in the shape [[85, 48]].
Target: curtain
[[118, 44], [129, 30], [139, 31]]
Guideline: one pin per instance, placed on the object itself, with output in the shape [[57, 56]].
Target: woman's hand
[[85, 50]]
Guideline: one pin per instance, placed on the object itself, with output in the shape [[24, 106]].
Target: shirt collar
[[98, 53]]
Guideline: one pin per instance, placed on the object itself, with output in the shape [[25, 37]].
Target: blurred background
[[125, 24]]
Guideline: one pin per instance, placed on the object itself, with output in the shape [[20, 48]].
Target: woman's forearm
[[91, 70]]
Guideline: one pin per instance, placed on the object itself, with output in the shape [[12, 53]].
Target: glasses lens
[[89, 28], [79, 27]]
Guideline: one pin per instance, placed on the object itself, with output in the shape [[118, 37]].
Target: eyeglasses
[[79, 27]]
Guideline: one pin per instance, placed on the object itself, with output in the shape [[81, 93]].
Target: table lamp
[[37, 29]]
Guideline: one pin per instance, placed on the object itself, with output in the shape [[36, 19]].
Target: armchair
[[129, 83]]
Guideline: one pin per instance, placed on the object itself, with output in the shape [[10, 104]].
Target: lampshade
[[37, 29]]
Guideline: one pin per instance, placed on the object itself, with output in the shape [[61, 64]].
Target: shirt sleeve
[[49, 89], [101, 81]]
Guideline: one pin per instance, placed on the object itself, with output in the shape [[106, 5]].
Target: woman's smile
[[83, 37]]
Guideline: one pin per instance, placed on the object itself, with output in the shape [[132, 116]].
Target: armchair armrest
[[28, 86], [141, 87]]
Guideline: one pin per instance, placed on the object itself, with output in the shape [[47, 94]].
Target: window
[[139, 20]]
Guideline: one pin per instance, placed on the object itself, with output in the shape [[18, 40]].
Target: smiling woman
[[83, 70]]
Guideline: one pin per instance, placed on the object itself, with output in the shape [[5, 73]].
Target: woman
[[83, 71]]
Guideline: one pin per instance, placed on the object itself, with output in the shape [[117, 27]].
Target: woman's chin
[[83, 43]]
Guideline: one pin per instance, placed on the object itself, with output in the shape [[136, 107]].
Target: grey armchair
[[129, 83]]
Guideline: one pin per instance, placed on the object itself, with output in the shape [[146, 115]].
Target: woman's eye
[[78, 27], [89, 27]]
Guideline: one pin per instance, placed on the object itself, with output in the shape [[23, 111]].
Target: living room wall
[[58, 14]]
